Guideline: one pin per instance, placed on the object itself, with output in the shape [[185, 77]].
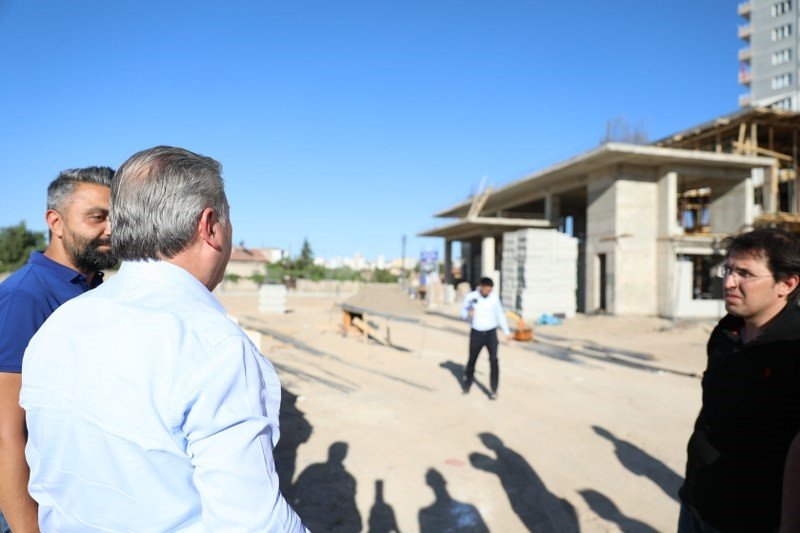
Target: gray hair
[[157, 197], [61, 188]]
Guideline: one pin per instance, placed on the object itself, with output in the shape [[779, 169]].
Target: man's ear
[[210, 228], [790, 283], [54, 222]]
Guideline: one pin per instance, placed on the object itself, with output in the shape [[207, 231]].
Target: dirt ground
[[588, 433]]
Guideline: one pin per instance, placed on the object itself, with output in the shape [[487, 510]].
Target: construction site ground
[[588, 432]]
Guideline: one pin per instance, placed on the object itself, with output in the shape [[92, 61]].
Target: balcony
[[745, 77], [745, 31], [745, 99], [745, 8], [745, 54]]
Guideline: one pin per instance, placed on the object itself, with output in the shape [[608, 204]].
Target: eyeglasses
[[741, 276]]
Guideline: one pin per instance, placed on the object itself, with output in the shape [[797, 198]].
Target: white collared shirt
[[149, 410], [489, 314]]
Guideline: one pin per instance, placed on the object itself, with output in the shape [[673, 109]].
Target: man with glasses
[[751, 391], [79, 249]]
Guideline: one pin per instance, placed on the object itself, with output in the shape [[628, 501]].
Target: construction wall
[[731, 206], [622, 227], [636, 232], [539, 273], [600, 213]]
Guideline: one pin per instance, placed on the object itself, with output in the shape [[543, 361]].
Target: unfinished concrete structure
[[648, 220]]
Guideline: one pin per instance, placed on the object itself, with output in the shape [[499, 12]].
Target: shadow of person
[[537, 507], [295, 430], [446, 515], [456, 369], [458, 372], [607, 510], [643, 464], [381, 516], [325, 494]]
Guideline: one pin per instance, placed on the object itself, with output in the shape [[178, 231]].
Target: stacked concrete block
[[272, 299], [539, 273]]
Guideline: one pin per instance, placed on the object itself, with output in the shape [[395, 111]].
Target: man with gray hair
[[78, 251], [163, 416]]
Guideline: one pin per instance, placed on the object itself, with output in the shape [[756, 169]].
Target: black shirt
[[750, 414]]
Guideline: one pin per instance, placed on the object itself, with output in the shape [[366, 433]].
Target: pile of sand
[[385, 299]]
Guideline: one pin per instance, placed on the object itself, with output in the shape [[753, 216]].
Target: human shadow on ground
[[457, 370], [606, 509], [325, 494], [592, 345], [446, 515], [643, 464], [534, 504], [600, 353], [381, 515], [295, 430]]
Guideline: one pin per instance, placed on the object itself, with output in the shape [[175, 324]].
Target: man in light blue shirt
[[483, 309], [163, 415]]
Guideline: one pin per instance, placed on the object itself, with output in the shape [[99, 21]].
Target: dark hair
[[487, 282], [779, 247], [60, 189]]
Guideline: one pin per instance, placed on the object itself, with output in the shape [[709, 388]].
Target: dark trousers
[[477, 340]]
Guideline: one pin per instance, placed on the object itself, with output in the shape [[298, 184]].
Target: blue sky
[[352, 122]]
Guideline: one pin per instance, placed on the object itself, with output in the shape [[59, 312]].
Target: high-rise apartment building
[[768, 64]]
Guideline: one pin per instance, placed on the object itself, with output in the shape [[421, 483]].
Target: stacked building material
[[272, 299], [539, 273]]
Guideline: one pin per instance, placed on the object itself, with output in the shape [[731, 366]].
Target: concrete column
[[668, 205], [552, 209], [448, 262], [487, 257], [771, 190]]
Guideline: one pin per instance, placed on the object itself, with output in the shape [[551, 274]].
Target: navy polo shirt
[[28, 297]]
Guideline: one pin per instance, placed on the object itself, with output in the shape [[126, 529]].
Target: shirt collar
[[166, 273], [62, 271]]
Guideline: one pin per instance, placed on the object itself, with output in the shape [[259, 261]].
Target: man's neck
[[756, 326], [60, 256]]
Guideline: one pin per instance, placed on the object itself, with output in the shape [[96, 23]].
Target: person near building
[[482, 308]]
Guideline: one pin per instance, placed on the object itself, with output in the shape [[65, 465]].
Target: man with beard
[[72, 263], [751, 391], [160, 414]]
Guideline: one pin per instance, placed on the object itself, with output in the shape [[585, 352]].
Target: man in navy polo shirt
[[79, 249]]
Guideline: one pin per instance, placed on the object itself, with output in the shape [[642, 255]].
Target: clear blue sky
[[347, 122]]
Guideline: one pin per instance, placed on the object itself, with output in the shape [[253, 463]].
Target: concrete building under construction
[[647, 220]]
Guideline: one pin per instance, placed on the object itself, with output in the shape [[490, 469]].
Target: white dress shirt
[[149, 410], [489, 314]]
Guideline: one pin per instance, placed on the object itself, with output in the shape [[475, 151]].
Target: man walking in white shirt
[[161, 415], [483, 309]]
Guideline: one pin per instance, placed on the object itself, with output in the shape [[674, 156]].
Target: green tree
[[306, 257], [383, 275], [16, 244]]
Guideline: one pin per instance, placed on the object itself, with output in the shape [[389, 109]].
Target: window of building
[[781, 32], [783, 103], [784, 56], [705, 285], [781, 8], [758, 196], [694, 210], [781, 81]]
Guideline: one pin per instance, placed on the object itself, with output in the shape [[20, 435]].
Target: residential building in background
[[768, 63]]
